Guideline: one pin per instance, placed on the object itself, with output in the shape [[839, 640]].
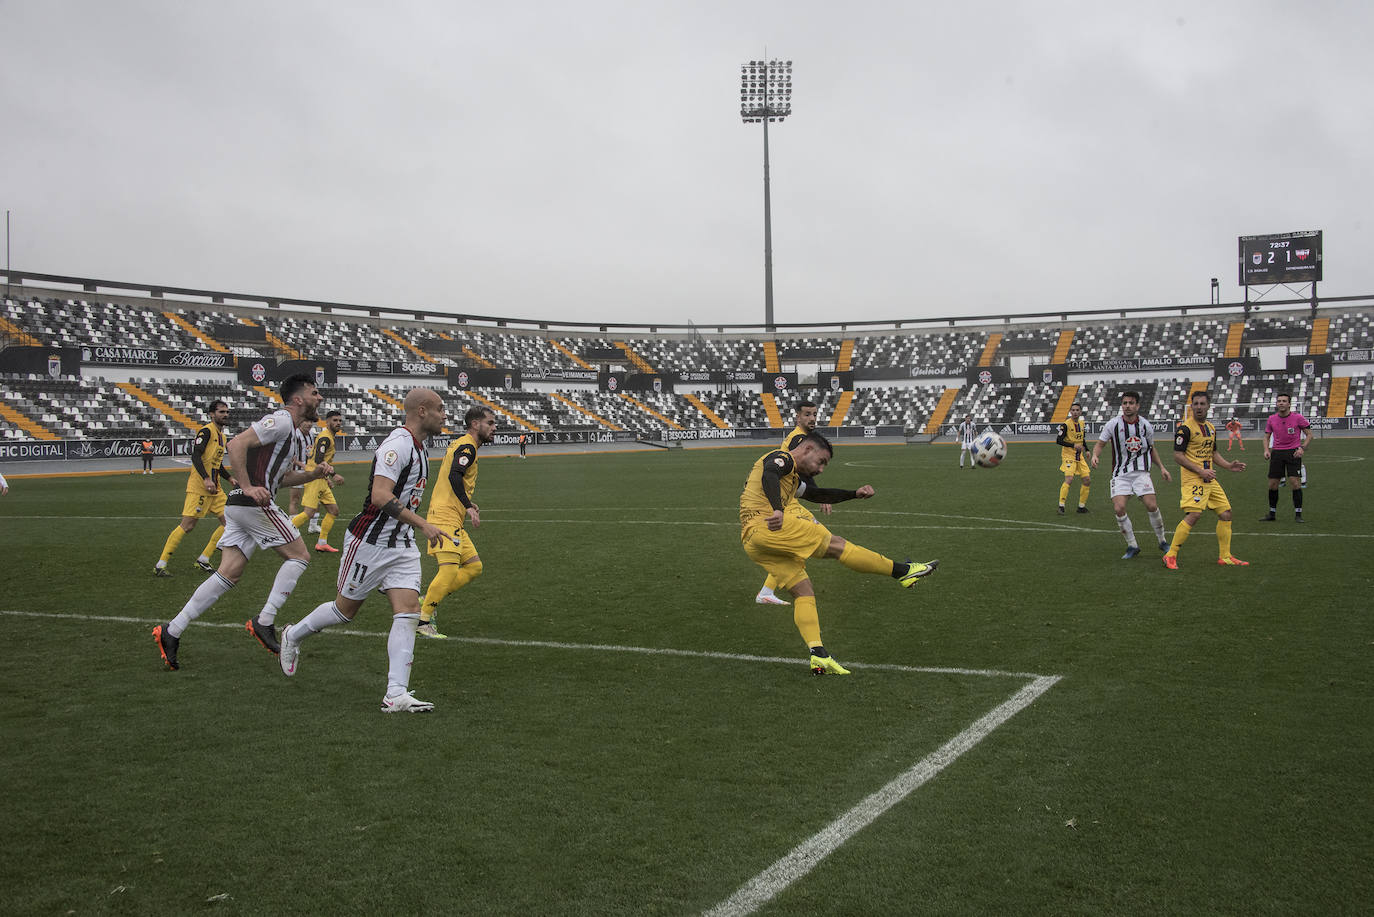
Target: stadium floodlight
[[765, 94]]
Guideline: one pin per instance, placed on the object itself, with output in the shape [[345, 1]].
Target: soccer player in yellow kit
[[1073, 459], [204, 495], [781, 542], [1195, 450], [320, 492], [806, 423], [450, 506]]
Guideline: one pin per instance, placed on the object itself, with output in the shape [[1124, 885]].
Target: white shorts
[[1132, 484], [364, 567], [251, 527]]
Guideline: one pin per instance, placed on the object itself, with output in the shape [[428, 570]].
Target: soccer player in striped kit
[[380, 553], [1133, 450], [264, 457]]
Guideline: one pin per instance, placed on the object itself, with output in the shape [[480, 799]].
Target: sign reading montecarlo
[[151, 356], [84, 449]]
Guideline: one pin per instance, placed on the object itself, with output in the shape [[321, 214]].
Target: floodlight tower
[[765, 94]]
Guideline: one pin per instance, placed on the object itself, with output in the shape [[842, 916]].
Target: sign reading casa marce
[[152, 356]]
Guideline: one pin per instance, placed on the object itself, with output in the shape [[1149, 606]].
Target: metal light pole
[[765, 94]]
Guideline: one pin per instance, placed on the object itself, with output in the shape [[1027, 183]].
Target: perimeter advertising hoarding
[[464, 378], [41, 361]]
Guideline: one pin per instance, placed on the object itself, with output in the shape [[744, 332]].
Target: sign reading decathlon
[[151, 356]]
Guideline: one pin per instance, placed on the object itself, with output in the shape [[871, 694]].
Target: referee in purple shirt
[[1292, 435]]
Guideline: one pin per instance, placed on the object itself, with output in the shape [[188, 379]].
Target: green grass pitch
[[1207, 749]]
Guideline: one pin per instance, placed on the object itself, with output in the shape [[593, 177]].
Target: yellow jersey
[[1072, 432], [457, 483], [754, 505], [790, 441], [207, 458], [322, 450], [1198, 442]]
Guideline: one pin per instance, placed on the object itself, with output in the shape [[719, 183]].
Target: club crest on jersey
[[1134, 444]]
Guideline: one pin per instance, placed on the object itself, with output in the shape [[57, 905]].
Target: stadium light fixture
[[765, 95]]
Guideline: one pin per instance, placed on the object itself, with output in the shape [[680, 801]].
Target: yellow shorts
[[198, 506], [1075, 467], [1199, 496], [784, 553], [801, 512], [460, 550], [318, 493]]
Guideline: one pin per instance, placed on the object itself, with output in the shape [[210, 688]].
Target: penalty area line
[[555, 645], [768, 884]]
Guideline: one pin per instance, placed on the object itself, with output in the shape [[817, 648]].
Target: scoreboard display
[[1288, 257]]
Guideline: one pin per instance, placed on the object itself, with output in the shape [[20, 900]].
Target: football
[[989, 449]]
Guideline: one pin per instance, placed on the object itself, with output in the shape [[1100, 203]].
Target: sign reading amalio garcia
[[151, 356]]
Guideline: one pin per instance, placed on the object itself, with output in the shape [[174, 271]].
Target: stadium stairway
[[1235, 337], [480, 361], [19, 335], [28, 425], [846, 358], [990, 349], [407, 345], [277, 343], [837, 416], [635, 359], [500, 410], [770, 407], [706, 412], [1061, 349], [195, 332], [942, 407], [1066, 399], [651, 412], [558, 346], [1339, 395], [1321, 330], [163, 407], [579, 408], [770, 357]]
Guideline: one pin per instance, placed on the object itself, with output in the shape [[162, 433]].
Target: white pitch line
[[809, 853], [554, 645]]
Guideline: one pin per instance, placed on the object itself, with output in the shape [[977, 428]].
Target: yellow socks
[[863, 560], [771, 583], [170, 547], [450, 578], [213, 542], [1224, 539], [807, 621], [298, 520], [1082, 495], [326, 524], [1063, 492], [1180, 535]]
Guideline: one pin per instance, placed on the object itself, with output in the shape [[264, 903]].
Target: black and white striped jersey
[[1131, 443], [401, 459], [281, 447]]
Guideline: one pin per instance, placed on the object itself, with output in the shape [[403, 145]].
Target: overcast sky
[[586, 161]]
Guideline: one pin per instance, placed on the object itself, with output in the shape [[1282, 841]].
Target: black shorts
[[1284, 464]]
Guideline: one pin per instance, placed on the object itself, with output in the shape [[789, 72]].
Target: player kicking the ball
[[781, 542]]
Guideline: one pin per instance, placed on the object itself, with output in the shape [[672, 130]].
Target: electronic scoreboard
[[1288, 257]]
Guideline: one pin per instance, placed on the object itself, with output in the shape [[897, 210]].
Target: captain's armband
[[393, 508]]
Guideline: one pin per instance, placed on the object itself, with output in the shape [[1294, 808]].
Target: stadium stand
[[115, 405]]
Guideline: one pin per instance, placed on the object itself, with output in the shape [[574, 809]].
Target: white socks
[[1157, 523], [1124, 523], [400, 649], [206, 594], [287, 577], [322, 616]]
